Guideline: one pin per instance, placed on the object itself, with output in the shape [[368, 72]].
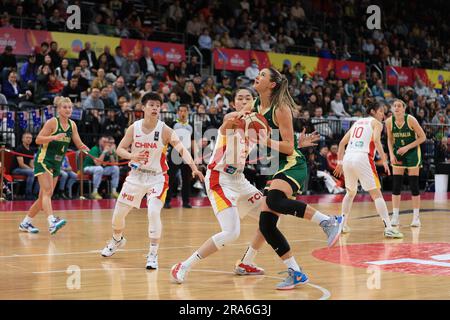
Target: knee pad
[[120, 212], [414, 185], [268, 227], [154, 218], [397, 181], [277, 201]]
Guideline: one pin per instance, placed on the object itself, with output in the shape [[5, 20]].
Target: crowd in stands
[[107, 88]]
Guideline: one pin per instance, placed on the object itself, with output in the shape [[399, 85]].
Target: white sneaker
[[395, 220], [346, 229], [198, 185], [392, 233], [28, 227], [113, 246], [416, 222], [178, 273], [152, 262], [57, 224]]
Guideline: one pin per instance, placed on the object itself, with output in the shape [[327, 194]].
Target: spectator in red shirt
[[332, 159]]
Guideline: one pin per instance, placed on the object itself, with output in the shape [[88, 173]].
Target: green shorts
[[412, 159], [295, 173], [52, 167]]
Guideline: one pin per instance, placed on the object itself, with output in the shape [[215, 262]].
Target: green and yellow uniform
[[294, 167], [50, 156], [402, 137]]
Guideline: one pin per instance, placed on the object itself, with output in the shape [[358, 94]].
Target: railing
[[199, 53]]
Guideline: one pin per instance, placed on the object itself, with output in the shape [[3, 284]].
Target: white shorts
[[226, 190], [360, 166], [138, 184]]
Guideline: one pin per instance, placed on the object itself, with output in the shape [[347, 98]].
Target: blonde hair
[[59, 101], [280, 93]]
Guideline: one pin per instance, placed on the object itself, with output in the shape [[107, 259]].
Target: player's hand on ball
[[338, 171], [139, 157], [198, 174], [308, 140]]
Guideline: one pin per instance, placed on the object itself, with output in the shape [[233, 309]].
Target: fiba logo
[[74, 18], [374, 20]]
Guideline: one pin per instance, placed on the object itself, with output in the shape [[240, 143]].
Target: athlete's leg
[[413, 175], [397, 180], [154, 206]]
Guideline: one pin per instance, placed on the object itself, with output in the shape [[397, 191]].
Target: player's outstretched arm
[[170, 136], [77, 140]]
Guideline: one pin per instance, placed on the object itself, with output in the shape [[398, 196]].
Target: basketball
[[254, 123]]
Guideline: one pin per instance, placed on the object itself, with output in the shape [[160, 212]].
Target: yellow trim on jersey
[[42, 153], [291, 161], [46, 169], [219, 201], [57, 126], [419, 156]]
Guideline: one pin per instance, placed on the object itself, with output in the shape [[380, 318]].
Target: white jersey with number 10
[[361, 137]]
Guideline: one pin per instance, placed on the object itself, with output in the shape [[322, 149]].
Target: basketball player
[[405, 135], [231, 195], [363, 138], [54, 139], [148, 138], [276, 105]]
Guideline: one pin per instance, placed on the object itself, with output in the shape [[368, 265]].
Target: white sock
[[382, 210], [249, 255], [117, 236], [396, 211], [154, 249], [192, 260], [50, 219], [416, 212], [27, 219], [94, 190], [318, 217], [291, 263]]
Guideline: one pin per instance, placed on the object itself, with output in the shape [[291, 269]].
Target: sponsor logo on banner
[[173, 56], [405, 76], [77, 45], [237, 61]]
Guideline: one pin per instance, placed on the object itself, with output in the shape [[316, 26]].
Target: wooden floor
[[46, 267]]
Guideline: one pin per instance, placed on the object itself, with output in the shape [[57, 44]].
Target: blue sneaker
[[293, 279], [333, 228], [57, 224], [28, 227]]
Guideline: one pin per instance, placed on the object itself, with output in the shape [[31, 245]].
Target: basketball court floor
[[363, 265]]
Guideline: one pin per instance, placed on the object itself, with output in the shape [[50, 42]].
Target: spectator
[[193, 66], [252, 71], [54, 55], [119, 58], [8, 60], [185, 131], [170, 74], [73, 91], [93, 27], [44, 50], [54, 86], [123, 119], [189, 95], [444, 98], [107, 61], [56, 22], [120, 89], [205, 44], [349, 88], [331, 182], [67, 178], [24, 166], [377, 90], [338, 107], [13, 91], [111, 127], [62, 72], [89, 55], [321, 125], [108, 103], [332, 163], [28, 72], [85, 72], [130, 70], [100, 81], [94, 101], [103, 152], [146, 63], [173, 102], [82, 81]]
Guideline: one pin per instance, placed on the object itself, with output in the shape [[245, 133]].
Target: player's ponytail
[[280, 93]]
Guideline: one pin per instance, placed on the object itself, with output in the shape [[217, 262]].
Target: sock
[[319, 217], [291, 263], [154, 249], [249, 255], [192, 260], [50, 219], [382, 210], [396, 211], [94, 190], [27, 219], [416, 212], [117, 236]]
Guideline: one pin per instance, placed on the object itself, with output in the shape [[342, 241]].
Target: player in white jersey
[[148, 138], [231, 195], [363, 138]]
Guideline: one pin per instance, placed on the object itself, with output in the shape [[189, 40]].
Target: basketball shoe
[[152, 262], [28, 227], [392, 233], [243, 269], [56, 224], [293, 279], [332, 228], [112, 246]]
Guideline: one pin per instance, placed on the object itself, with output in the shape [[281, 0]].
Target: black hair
[[151, 96], [375, 105], [184, 105], [233, 96]]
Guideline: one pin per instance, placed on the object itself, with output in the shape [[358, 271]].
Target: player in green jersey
[[404, 138], [54, 139], [276, 105]]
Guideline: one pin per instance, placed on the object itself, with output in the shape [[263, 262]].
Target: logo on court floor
[[424, 258]]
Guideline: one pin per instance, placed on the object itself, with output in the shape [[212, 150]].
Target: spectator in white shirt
[[252, 71], [297, 11], [338, 107]]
